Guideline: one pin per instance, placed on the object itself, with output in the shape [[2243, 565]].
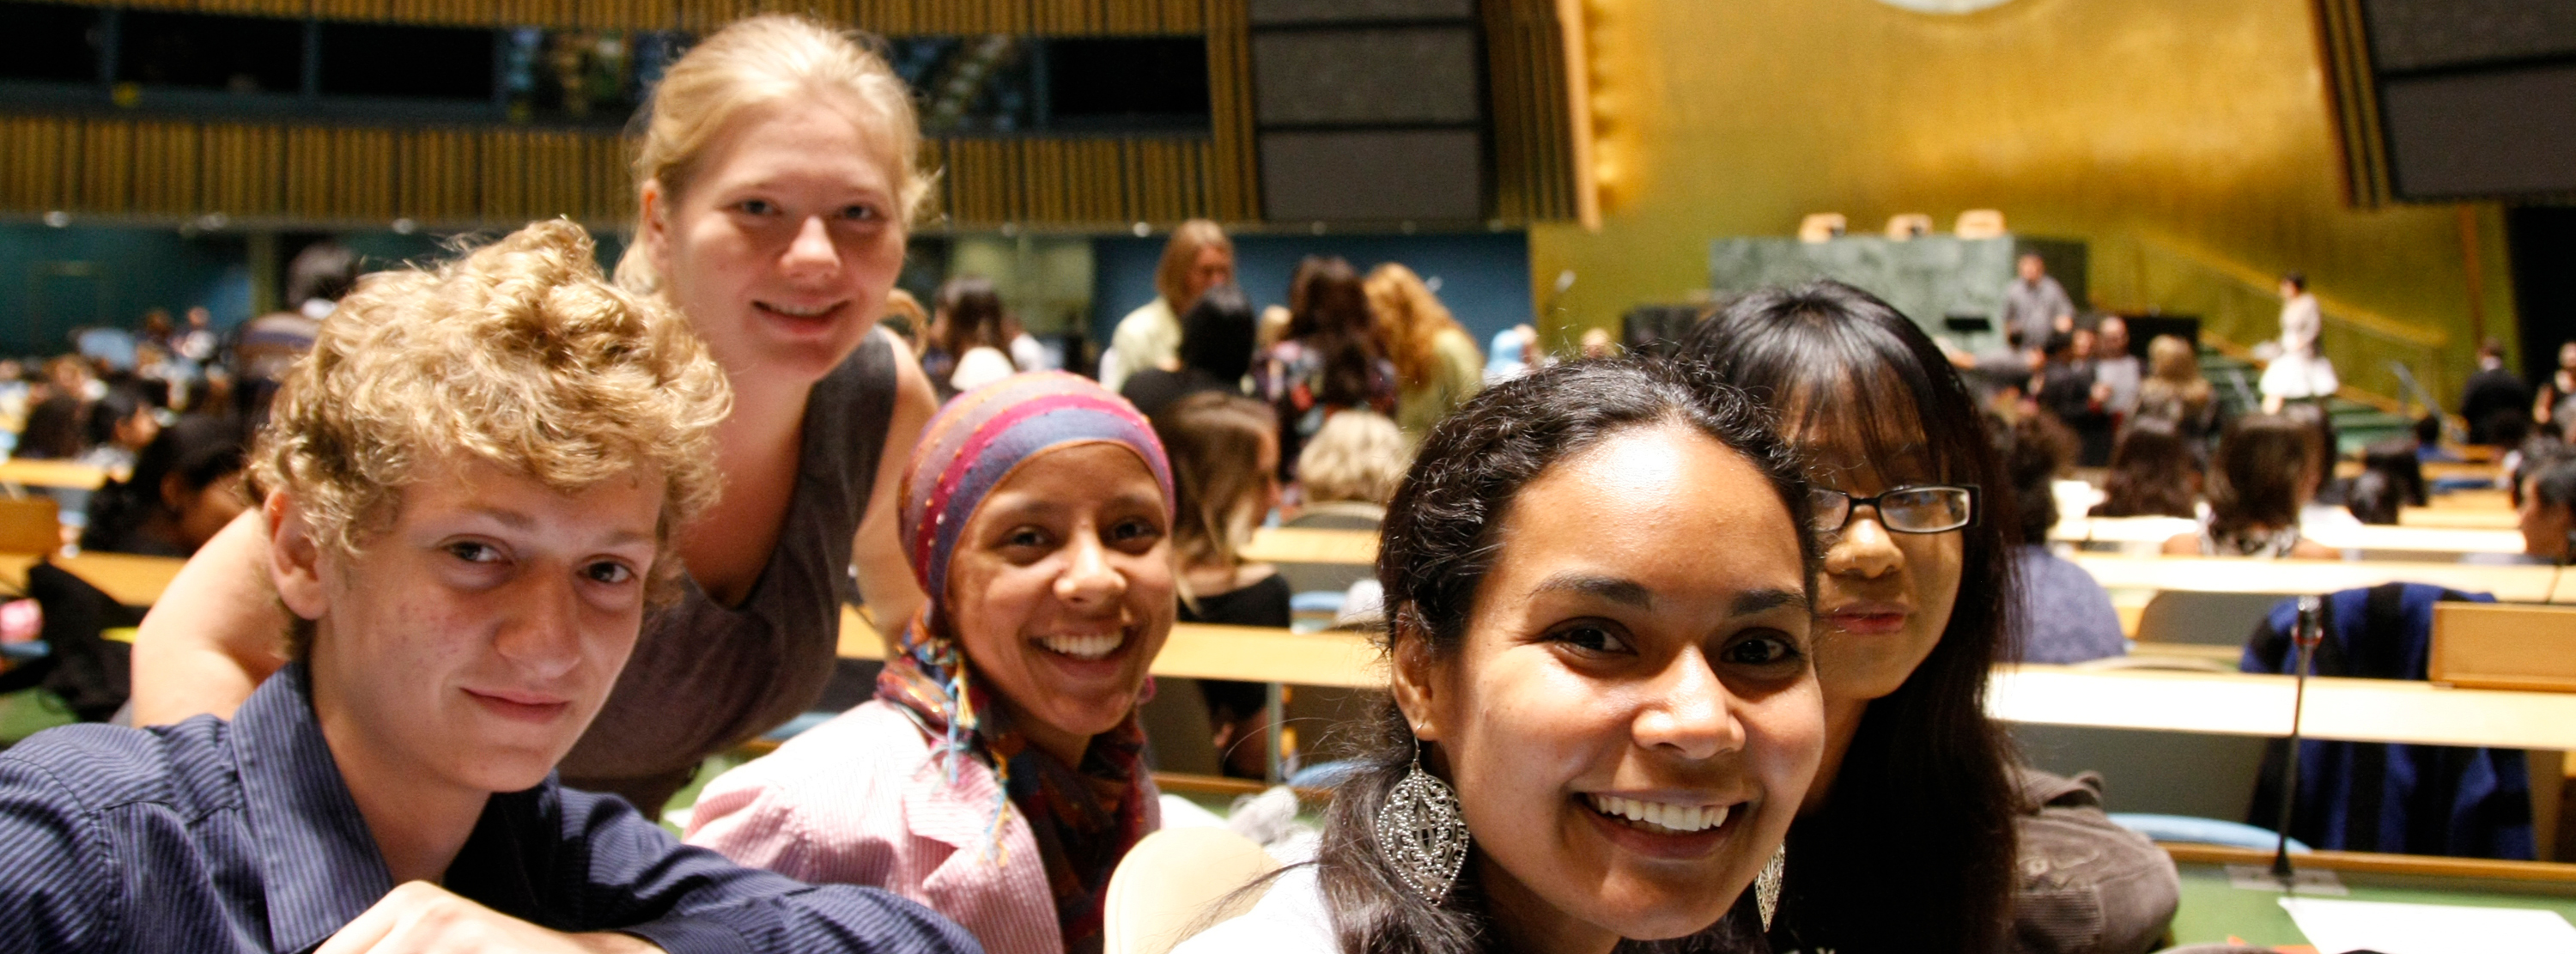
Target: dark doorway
[[2542, 241]]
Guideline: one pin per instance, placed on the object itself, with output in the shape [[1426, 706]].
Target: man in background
[[2036, 306], [2493, 391]]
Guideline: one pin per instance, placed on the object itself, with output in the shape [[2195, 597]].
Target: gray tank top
[[706, 677]]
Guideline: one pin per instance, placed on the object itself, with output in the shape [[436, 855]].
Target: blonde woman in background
[[1437, 366], [776, 180], [1349, 471], [2174, 389], [1198, 257]]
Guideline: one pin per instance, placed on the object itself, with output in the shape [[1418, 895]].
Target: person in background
[[2069, 392], [1617, 718], [2545, 512], [2176, 392], [1215, 354], [121, 425], [1197, 258], [2265, 472], [1512, 354], [998, 775], [1436, 364], [2115, 369], [969, 325], [1225, 455], [1346, 475], [2555, 401], [2065, 616], [906, 319], [475, 486], [1597, 344], [1026, 351], [776, 183], [1330, 361], [1923, 835], [185, 487], [2154, 473], [2492, 394], [2035, 305], [57, 417], [2298, 372], [197, 342]]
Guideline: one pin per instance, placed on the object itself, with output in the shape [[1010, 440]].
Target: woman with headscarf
[[998, 775]]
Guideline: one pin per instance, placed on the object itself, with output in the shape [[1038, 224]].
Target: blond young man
[[473, 484]]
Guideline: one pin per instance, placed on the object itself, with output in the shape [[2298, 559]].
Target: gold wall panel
[[1525, 69], [107, 167], [166, 167], [2201, 125], [37, 163]]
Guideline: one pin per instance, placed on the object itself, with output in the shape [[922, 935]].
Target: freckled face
[[473, 641], [782, 246], [1061, 591], [1632, 719]]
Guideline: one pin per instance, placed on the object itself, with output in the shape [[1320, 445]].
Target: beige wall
[[2189, 141]]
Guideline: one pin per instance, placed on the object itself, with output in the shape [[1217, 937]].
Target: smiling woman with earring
[[1908, 842], [1601, 726]]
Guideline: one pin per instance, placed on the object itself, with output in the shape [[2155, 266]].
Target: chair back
[[1176, 883], [1979, 224], [1822, 227], [1908, 225]]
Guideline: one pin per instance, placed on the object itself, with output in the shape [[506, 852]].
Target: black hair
[[2151, 473], [117, 407], [1217, 334], [1913, 848], [199, 450], [973, 309], [2296, 280], [2555, 482], [2034, 449], [2255, 482], [1441, 538]]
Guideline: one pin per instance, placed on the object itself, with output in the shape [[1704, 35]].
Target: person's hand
[[418, 917]]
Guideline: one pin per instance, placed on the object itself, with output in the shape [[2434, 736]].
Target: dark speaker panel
[[1373, 175], [2482, 134], [2419, 34], [1268, 12], [1410, 75]]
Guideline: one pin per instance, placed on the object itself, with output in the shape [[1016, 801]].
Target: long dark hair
[[1912, 850], [1439, 543], [2151, 472], [2265, 463]]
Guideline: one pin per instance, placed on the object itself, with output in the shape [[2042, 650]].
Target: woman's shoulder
[[1290, 918], [842, 775]]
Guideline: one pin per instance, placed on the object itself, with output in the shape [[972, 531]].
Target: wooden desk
[[2212, 910], [2399, 538], [2512, 584], [125, 578], [1297, 545], [2460, 518], [61, 474], [2359, 710], [2433, 470], [1197, 651]]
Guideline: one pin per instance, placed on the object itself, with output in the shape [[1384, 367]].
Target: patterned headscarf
[[1084, 817]]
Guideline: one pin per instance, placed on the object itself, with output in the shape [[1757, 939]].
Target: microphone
[[2307, 632]]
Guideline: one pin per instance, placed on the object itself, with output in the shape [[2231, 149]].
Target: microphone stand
[[2307, 632]]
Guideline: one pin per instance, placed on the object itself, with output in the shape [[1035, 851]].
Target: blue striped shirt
[[208, 836]]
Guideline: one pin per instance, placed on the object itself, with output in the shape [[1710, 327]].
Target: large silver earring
[[1422, 833], [1766, 886]]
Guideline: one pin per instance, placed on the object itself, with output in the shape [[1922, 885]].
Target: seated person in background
[[2069, 391], [998, 775], [2153, 474], [1216, 351], [969, 324], [185, 487], [2066, 617], [2175, 391], [1614, 719], [475, 477], [1349, 471], [2265, 472], [54, 430], [1224, 449], [2391, 478], [2546, 505]]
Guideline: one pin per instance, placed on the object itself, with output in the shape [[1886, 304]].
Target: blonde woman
[[775, 179], [1198, 257], [1437, 366], [2174, 389]]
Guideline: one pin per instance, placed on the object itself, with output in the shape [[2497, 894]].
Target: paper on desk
[[2336, 926]]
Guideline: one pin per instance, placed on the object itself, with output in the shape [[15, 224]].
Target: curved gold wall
[[2189, 141]]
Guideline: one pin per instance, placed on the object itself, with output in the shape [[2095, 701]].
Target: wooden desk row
[[60, 474], [2366, 710], [125, 578], [2431, 540]]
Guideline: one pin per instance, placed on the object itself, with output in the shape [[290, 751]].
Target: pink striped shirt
[[861, 800]]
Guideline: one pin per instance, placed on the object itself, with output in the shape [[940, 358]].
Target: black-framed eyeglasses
[[1915, 508]]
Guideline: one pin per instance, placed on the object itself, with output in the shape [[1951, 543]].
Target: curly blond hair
[[755, 62], [519, 354], [1409, 319]]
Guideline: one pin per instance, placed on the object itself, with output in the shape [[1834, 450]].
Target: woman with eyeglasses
[[1920, 834]]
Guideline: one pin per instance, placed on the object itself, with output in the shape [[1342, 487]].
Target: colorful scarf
[[1085, 817]]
